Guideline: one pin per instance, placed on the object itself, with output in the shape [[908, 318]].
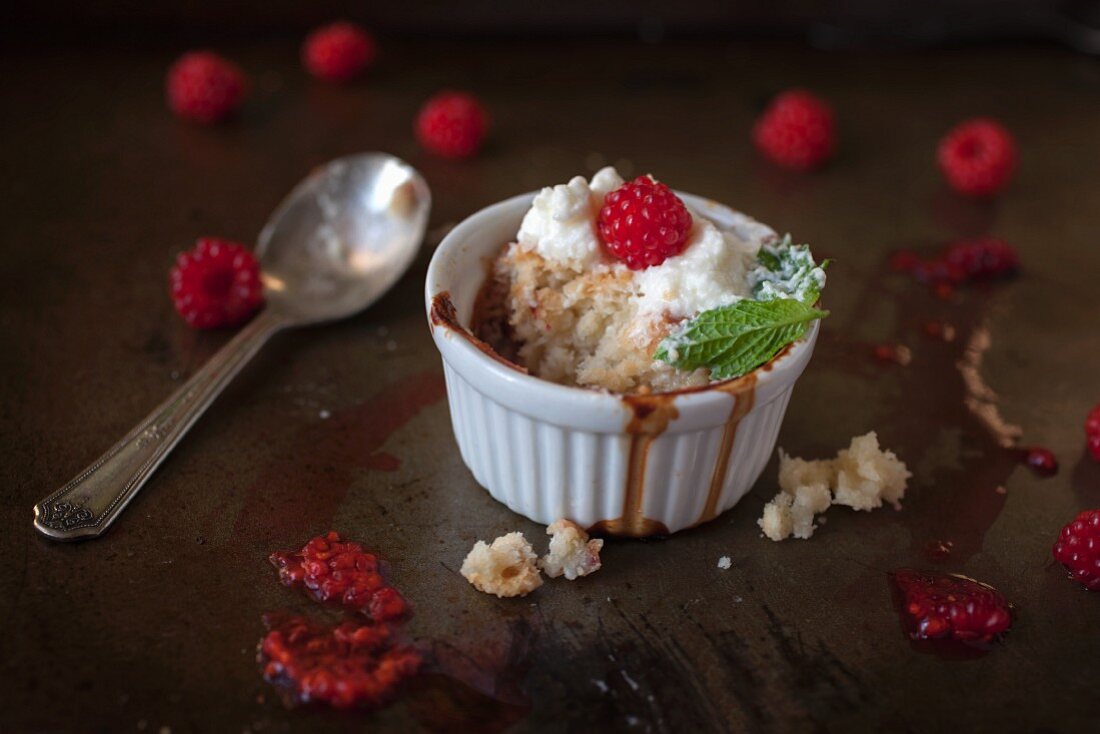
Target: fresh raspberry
[[1092, 442], [643, 223], [1092, 422], [338, 52], [982, 258], [452, 124], [977, 157], [1092, 432], [205, 87], [938, 606], [796, 131], [215, 284], [1078, 549], [331, 569]]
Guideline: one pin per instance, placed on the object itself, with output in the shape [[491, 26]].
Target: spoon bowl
[[343, 237], [338, 242]]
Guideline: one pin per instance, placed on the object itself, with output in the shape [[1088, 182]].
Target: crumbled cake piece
[[809, 500], [571, 554], [861, 476], [505, 568], [776, 522], [867, 475], [796, 472]]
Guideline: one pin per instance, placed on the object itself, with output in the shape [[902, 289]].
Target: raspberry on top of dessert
[[604, 271]]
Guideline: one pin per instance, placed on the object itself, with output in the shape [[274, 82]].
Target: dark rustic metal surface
[[346, 426]]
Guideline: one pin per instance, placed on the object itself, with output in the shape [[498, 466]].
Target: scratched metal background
[[155, 625]]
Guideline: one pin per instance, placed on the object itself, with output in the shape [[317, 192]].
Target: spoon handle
[[87, 505]]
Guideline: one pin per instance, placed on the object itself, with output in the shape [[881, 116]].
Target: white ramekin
[[618, 464]]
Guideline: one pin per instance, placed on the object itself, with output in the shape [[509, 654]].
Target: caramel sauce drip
[[443, 311], [650, 416], [744, 397]]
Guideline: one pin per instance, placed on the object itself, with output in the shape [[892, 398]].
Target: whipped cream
[[561, 223], [711, 271]]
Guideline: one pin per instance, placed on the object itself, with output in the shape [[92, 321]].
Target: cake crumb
[[867, 475], [809, 501], [724, 563], [505, 568], [862, 477], [776, 521], [571, 554]]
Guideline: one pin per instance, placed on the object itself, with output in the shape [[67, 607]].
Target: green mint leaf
[[785, 270], [738, 338]]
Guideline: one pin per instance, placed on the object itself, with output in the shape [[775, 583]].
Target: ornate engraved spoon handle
[[86, 506]]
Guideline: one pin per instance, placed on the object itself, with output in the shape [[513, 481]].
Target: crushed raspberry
[[347, 666], [948, 606], [355, 664], [205, 87], [1041, 460], [796, 131], [977, 157], [338, 52], [1078, 549], [961, 262], [983, 258], [216, 284], [1092, 432], [643, 223], [938, 270], [333, 570], [452, 124]]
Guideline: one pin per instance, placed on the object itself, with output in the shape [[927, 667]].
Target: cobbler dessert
[[621, 286]]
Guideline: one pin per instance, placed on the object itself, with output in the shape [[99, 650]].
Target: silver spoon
[[338, 242]]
